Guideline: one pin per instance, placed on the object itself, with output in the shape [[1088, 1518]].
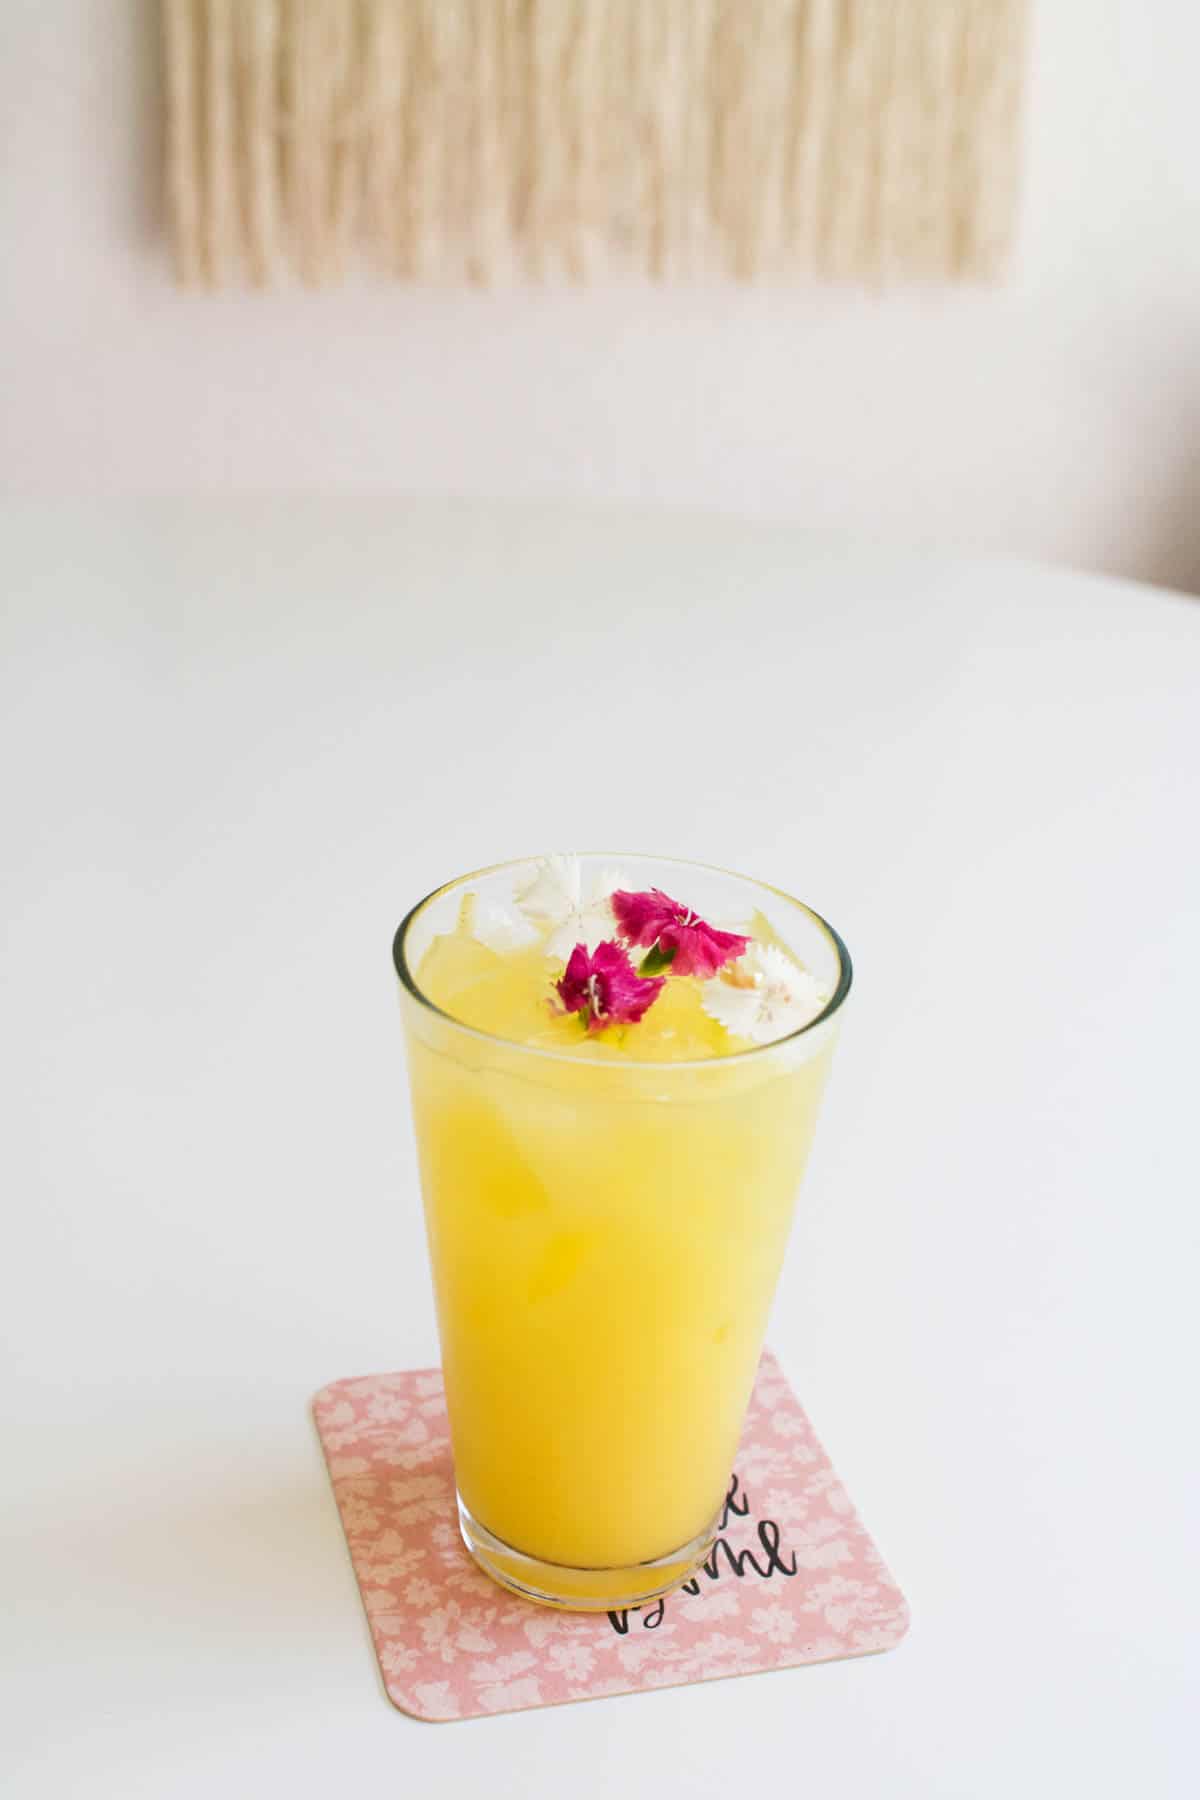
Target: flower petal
[[783, 997], [555, 896], [736, 1008], [640, 917], [654, 918], [500, 926], [605, 886], [628, 995], [605, 984], [572, 985], [554, 890], [699, 949]]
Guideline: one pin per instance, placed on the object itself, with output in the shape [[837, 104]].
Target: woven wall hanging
[[492, 140]]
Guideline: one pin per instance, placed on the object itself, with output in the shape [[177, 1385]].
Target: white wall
[[1058, 416]]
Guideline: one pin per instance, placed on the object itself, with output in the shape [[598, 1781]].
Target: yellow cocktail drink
[[608, 1202]]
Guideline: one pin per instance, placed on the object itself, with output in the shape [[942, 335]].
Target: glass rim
[[408, 980]]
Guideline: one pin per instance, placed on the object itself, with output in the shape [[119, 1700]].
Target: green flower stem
[[656, 960]]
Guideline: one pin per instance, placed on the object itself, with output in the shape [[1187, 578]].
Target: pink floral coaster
[[793, 1577]]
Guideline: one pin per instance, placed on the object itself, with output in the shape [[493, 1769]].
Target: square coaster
[[793, 1577]]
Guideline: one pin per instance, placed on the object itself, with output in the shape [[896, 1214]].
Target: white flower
[[511, 1696], [437, 1700], [540, 1630], [417, 1487], [448, 1629], [763, 996], [571, 1659], [577, 913], [500, 926], [504, 1668], [774, 1622], [711, 1603]]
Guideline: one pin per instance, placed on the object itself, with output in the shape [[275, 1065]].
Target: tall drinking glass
[[606, 1234]]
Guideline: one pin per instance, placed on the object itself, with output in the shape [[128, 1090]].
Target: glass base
[[581, 1590]]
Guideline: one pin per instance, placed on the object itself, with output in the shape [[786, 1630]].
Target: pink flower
[[604, 984], [683, 938]]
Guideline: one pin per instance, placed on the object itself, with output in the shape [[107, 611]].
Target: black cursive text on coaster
[[765, 1560]]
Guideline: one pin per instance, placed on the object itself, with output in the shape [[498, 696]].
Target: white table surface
[[237, 741]]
